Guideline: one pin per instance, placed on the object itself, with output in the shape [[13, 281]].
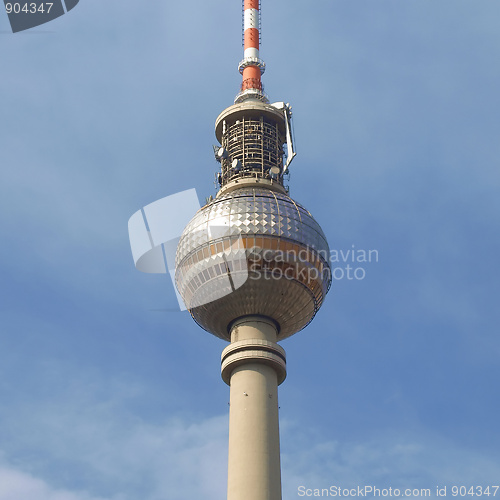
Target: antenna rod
[[251, 67]]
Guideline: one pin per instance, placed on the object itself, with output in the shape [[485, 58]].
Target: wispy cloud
[[18, 485], [88, 441], [418, 459]]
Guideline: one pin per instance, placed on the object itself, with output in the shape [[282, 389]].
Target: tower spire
[[251, 67]]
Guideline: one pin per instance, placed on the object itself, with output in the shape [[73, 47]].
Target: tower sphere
[[253, 251]]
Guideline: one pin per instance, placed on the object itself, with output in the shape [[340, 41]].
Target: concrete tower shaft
[[253, 365]]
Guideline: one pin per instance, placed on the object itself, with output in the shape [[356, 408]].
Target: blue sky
[[107, 392]]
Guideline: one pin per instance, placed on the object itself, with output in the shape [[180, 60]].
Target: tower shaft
[[254, 365]]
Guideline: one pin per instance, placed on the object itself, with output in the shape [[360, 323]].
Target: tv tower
[[252, 267]]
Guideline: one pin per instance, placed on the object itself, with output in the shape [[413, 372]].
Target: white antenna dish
[[222, 153]]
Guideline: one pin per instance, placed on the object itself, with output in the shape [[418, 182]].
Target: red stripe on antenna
[[252, 38], [251, 78], [251, 4]]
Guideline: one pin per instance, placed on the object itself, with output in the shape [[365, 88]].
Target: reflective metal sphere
[[253, 251]]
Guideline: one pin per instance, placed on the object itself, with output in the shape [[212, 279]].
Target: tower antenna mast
[[251, 67]]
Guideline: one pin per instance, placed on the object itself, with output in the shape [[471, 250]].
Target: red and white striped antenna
[[251, 67]]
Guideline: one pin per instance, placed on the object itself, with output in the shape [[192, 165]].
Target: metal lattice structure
[[257, 145]]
